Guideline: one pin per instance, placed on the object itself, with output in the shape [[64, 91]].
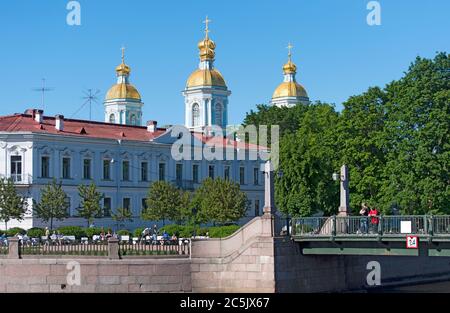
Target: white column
[[344, 192]]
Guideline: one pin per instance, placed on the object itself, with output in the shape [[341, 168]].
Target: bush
[[76, 231], [91, 231], [138, 232], [172, 229], [222, 231], [1, 232], [36, 232], [14, 231], [123, 232]]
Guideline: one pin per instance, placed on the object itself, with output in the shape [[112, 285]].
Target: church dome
[[205, 77], [289, 89], [123, 91]]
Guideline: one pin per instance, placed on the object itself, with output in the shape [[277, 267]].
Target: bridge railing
[[385, 225]]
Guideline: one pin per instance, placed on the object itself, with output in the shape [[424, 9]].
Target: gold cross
[[123, 54], [206, 21], [289, 47]]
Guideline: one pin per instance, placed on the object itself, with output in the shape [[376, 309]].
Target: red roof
[[72, 127], [92, 129]]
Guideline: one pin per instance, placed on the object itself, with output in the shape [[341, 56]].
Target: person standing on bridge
[[373, 213], [363, 224]]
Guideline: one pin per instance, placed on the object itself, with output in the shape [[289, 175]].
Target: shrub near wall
[[36, 232], [14, 231], [76, 231]]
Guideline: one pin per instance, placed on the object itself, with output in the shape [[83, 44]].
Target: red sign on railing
[[412, 242]]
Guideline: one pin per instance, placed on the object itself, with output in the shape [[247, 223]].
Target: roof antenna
[[43, 89], [89, 97]]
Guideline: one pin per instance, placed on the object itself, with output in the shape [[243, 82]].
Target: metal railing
[[65, 248], [164, 248], [384, 225]]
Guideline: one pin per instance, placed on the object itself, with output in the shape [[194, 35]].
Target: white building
[[121, 156]]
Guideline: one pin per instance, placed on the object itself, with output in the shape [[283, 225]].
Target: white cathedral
[[123, 157]]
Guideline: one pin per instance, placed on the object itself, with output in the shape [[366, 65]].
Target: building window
[[211, 171], [218, 116], [143, 204], [195, 115], [66, 168], [106, 169], [242, 175], [107, 207], [133, 119], [16, 168], [126, 204], [87, 168], [256, 176], [195, 173], [45, 167], [144, 171], [257, 207], [226, 173], [112, 118], [179, 172], [162, 171], [125, 170]]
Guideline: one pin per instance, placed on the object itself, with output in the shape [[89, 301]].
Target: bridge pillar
[[269, 194], [344, 192]]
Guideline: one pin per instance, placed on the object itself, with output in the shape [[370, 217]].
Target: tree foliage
[[165, 202], [395, 141], [53, 203], [90, 202], [122, 215], [12, 205], [219, 201]]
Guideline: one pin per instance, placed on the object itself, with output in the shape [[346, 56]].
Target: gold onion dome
[[290, 88], [123, 89], [207, 76]]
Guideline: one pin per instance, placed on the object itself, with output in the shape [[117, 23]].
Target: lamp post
[[194, 212], [344, 194]]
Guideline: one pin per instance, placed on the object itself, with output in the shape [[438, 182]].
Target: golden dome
[[289, 67], [289, 89], [206, 47], [123, 91], [123, 70], [205, 78]]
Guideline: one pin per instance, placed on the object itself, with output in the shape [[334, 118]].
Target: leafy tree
[[220, 201], [53, 203], [12, 205], [416, 175], [361, 146], [307, 159], [90, 202], [165, 202], [121, 216]]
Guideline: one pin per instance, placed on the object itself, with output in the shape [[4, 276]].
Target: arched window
[[112, 118], [219, 112], [133, 119], [195, 115]]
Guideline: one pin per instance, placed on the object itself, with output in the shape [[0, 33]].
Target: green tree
[[12, 205], [361, 146], [308, 159], [121, 216], [220, 201], [416, 175], [90, 202], [53, 203], [165, 202]]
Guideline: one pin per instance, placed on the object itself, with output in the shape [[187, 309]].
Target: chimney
[[59, 122], [151, 126], [38, 116]]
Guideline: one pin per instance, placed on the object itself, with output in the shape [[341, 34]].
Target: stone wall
[[243, 262], [97, 275]]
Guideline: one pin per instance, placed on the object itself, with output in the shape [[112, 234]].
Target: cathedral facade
[[123, 156]]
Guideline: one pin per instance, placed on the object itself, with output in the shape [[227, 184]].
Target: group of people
[[368, 215], [152, 236]]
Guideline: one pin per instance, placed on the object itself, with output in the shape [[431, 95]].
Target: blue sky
[[336, 52]]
